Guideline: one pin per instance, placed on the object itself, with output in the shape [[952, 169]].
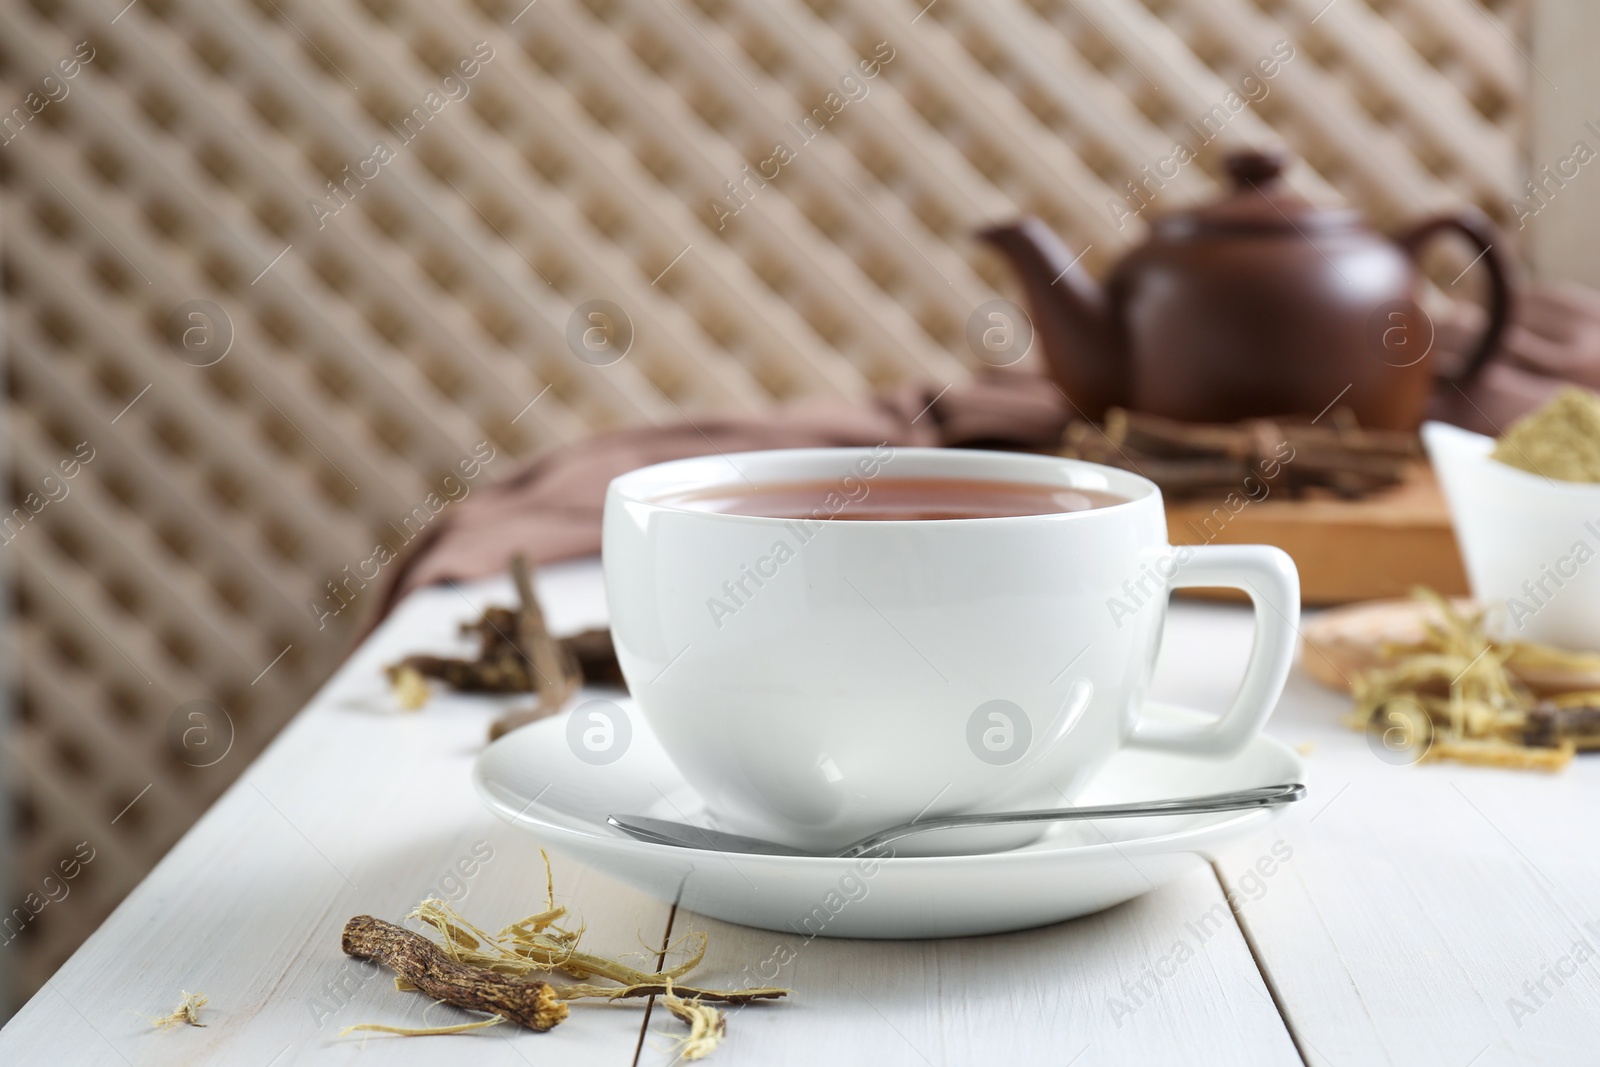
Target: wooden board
[[359, 807], [1419, 899], [1414, 906], [1369, 549], [1063, 994], [1342, 643]]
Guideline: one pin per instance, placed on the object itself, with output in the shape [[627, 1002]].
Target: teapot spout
[[1069, 314]]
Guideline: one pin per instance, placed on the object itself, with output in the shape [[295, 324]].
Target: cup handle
[[1270, 579]]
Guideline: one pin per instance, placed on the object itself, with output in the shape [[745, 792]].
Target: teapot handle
[[1476, 229]]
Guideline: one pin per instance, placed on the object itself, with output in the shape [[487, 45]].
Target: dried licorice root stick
[[414, 958], [537, 943], [554, 676]]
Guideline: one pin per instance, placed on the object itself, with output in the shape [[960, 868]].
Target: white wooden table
[[1418, 907]]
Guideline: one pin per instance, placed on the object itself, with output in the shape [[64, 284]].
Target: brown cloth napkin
[[550, 510], [1553, 340]]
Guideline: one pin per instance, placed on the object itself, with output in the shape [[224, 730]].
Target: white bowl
[[1531, 544]]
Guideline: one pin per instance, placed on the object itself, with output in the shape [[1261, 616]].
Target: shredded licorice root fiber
[[186, 1013], [1470, 706], [508, 975], [707, 1025]]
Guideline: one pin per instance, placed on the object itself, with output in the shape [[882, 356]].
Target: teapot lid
[[1259, 201]]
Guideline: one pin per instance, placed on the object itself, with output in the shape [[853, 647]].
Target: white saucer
[[532, 778]]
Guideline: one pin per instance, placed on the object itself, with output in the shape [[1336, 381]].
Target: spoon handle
[[1260, 797]]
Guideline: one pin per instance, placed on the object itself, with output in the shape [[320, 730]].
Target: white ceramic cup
[[1530, 543], [820, 680]]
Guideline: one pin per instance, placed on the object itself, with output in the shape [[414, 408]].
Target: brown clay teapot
[[1256, 305]]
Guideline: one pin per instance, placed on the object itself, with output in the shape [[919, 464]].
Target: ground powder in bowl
[[1560, 440]]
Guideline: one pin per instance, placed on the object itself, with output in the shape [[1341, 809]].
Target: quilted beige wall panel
[[276, 269]]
